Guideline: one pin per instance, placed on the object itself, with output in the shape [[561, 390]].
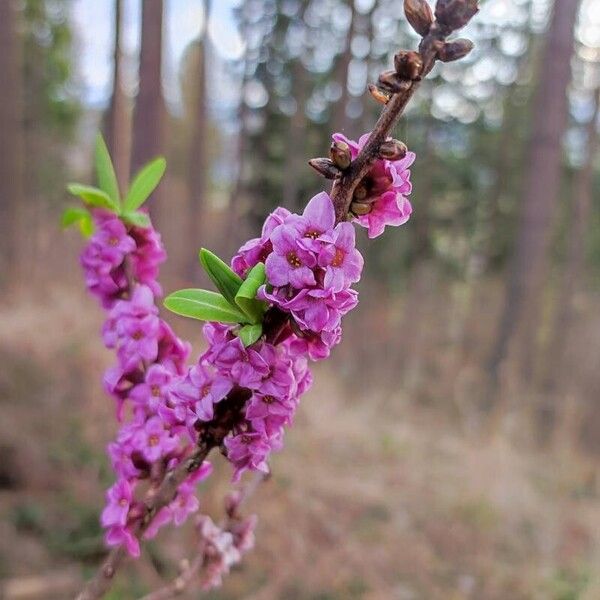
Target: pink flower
[[245, 366], [342, 262], [210, 388], [119, 498], [387, 184], [153, 391], [258, 249], [248, 450], [123, 536], [153, 441]]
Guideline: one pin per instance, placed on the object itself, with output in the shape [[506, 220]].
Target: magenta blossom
[[123, 536], [342, 262], [210, 388], [245, 366], [153, 441], [248, 450], [119, 498], [387, 184], [154, 390]]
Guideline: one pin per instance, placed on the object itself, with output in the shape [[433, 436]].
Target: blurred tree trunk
[[117, 118], [11, 138], [296, 151], [197, 163], [543, 161], [340, 118], [149, 114], [557, 368]]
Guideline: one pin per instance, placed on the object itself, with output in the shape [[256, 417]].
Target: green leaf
[[246, 296], [72, 215], [76, 215], [107, 180], [144, 183], [92, 196], [203, 305], [86, 226], [139, 219], [227, 282], [250, 334]]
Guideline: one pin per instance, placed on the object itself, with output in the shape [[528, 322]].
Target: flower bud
[[455, 14], [339, 152], [325, 167], [361, 192], [361, 208], [454, 50], [419, 15], [392, 82], [382, 96], [408, 65], [393, 150]]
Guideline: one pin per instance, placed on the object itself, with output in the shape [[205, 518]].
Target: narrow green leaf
[[86, 225], [144, 183], [72, 215], [107, 180], [246, 296], [227, 282], [139, 219], [250, 334], [203, 305], [92, 196]]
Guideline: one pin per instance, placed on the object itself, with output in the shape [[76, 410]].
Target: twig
[[344, 186], [192, 568]]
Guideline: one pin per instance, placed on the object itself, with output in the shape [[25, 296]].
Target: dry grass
[[376, 496]]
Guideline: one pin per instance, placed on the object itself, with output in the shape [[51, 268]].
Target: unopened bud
[[360, 193], [393, 150], [339, 152], [408, 65], [325, 167], [361, 208], [419, 15], [392, 82], [379, 94], [455, 14], [455, 50]]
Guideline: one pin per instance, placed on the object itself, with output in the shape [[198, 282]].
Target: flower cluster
[[385, 189], [275, 377], [310, 265], [223, 548], [121, 266]]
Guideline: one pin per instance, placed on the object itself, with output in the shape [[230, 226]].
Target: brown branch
[[344, 186]]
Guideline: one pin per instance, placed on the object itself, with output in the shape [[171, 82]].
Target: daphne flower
[[387, 184], [245, 366], [342, 262], [153, 391], [290, 263], [119, 498], [248, 450], [123, 536], [154, 441], [210, 388]]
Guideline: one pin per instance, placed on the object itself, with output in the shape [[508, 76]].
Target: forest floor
[[373, 497]]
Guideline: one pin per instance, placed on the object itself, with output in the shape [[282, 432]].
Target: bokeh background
[[450, 448]]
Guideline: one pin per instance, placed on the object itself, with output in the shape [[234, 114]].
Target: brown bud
[[382, 96], [325, 167], [361, 208], [455, 50], [393, 150], [419, 15], [339, 152], [392, 82], [455, 14], [408, 65], [361, 192]]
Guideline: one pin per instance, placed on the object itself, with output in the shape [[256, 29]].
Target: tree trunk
[[149, 114], [197, 165], [543, 159], [117, 118], [11, 138], [557, 368], [340, 118], [295, 154]]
